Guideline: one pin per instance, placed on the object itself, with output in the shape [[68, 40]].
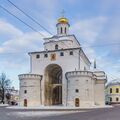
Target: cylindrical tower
[[80, 88], [30, 90]]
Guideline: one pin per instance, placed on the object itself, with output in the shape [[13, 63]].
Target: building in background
[[60, 75], [113, 92]]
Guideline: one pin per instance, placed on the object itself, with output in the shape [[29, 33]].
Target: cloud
[[89, 29], [20, 41], [88, 32], [8, 29], [97, 31]]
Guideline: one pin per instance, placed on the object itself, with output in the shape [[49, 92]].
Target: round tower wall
[[81, 86], [30, 90]]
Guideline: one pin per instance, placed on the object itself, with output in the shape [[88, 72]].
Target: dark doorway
[[25, 102], [77, 102]]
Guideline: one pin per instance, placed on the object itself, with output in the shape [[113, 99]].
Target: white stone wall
[[100, 93], [66, 62], [32, 85], [101, 79], [64, 42], [81, 80]]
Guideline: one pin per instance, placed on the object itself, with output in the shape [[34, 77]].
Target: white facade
[[61, 75]]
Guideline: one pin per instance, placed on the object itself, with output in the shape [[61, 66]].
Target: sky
[[95, 23]]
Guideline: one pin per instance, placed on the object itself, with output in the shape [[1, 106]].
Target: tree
[[4, 85], [8, 97]]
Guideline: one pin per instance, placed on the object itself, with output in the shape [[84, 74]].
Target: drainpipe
[[79, 59], [67, 90], [40, 92]]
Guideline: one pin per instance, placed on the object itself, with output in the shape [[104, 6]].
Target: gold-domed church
[[60, 75]]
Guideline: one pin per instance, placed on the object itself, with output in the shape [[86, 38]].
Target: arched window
[[61, 30], [65, 30], [56, 47], [71, 52]]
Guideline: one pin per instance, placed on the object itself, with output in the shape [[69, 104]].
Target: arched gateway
[[53, 85]]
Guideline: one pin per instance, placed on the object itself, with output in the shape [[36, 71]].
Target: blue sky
[[94, 22]]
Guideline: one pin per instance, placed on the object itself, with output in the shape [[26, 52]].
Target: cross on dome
[[62, 13]]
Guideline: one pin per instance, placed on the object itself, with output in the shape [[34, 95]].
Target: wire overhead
[[22, 21], [35, 21], [111, 44], [42, 26], [29, 17]]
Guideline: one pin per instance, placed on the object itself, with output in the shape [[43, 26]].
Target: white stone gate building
[[61, 75]]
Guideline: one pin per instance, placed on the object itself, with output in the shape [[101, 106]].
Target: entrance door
[[77, 102], [25, 102]]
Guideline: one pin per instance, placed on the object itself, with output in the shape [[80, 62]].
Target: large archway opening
[[53, 85]]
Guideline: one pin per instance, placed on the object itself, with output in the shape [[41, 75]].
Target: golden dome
[[62, 20]]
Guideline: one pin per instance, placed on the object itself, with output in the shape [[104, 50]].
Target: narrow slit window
[[110, 90], [65, 30], [117, 90], [61, 31], [25, 91]]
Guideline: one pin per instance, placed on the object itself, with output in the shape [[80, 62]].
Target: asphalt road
[[96, 114]]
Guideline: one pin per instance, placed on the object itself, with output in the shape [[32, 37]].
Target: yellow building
[[113, 92]]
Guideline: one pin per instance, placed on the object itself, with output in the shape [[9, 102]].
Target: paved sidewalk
[[4, 105], [58, 108]]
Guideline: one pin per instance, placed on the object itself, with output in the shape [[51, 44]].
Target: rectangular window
[[25, 91], [117, 90], [37, 56], [110, 90], [117, 99], [61, 53], [110, 99]]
